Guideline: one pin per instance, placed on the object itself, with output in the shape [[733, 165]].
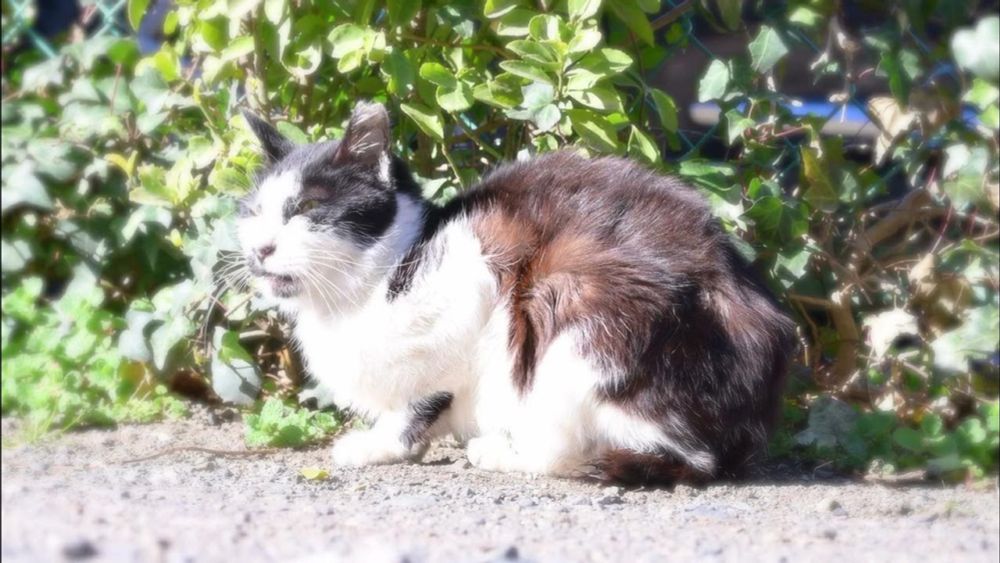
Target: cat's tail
[[632, 468]]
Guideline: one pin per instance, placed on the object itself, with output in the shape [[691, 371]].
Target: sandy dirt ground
[[84, 496]]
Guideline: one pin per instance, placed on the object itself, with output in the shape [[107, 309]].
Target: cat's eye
[[308, 205]]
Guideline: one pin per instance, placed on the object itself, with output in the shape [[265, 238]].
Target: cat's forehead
[[283, 179], [276, 188]]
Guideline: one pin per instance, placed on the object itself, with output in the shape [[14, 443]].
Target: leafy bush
[[123, 168], [279, 424]]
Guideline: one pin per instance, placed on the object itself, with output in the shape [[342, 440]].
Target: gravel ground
[[72, 498]]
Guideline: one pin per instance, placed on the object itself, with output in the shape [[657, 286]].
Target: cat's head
[[321, 215]]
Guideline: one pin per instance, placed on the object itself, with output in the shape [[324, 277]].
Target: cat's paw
[[364, 447], [490, 453]]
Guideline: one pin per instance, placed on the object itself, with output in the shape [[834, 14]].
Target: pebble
[[80, 548], [685, 491], [608, 499], [828, 504]]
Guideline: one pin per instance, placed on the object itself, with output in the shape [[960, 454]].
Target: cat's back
[[565, 202]]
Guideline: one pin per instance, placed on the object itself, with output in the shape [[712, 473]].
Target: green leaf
[[497, 8], [632, 16], [909, 438], [274, 10], [400, 73], [595, 130], [438, 74], [455, 99], [766, 49], [541, 53], [403, 12], [978, 49], [820, 192], [778, 221], [515, 23], [805, 16], [428, 121], [546, 117], [640, 145], [582, 9], [526, 70], [975, 338], [538, 95], [724, 13], [830, 423], [982, 94], [235, 377], [346, 39], [136, 11], [665, 108], [736, 124], [715, 82], [584, 41], [239, 47], [932, 425], [604, 62], [314, 473], [22, 187], [603, 99], [290, 131], [547, 27], [964, 173]]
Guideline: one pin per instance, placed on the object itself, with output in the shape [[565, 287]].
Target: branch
[[672, 16]]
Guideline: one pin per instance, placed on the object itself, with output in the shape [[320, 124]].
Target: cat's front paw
[[364, 447], [490, 453]]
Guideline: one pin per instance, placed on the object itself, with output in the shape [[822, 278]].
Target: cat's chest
[[335, 345]]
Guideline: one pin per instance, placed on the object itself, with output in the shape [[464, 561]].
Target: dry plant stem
[[849, 337], [672, 16], [915, 206], [230, 453]]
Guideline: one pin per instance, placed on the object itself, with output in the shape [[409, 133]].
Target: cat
[[566, 316]]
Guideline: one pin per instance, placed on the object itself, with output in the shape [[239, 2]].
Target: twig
[[179, 449], [672, 16]]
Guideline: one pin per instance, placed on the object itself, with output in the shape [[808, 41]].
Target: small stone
[[608, 499], [80, 548], [462, 463], [685, 491], [828, 504], [830, 534], [612, 491]]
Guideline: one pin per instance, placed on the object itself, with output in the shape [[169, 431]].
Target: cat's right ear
[[275, 145]]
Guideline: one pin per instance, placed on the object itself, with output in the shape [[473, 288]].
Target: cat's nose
[[263, 252]]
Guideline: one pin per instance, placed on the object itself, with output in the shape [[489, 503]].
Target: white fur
[[447, 332]]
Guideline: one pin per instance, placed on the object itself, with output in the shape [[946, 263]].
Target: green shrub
[[278, 424], [124, 167]]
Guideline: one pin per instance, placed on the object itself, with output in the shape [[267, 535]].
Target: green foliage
[[281, 425], [878, 440], [120, 171], [61, 368]]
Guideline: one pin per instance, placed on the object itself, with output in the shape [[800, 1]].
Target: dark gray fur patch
[[423, 414]]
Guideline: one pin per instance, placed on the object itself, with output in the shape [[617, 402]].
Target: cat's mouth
[[282, 285]]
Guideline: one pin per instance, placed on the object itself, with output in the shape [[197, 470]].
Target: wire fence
[[39, 25]]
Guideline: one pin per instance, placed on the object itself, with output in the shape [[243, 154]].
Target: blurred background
[[849, 147]]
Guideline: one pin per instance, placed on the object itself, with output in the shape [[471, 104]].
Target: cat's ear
[[366, 140], [275, 145]]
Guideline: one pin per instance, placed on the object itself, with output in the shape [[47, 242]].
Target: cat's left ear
[[366, 140]]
